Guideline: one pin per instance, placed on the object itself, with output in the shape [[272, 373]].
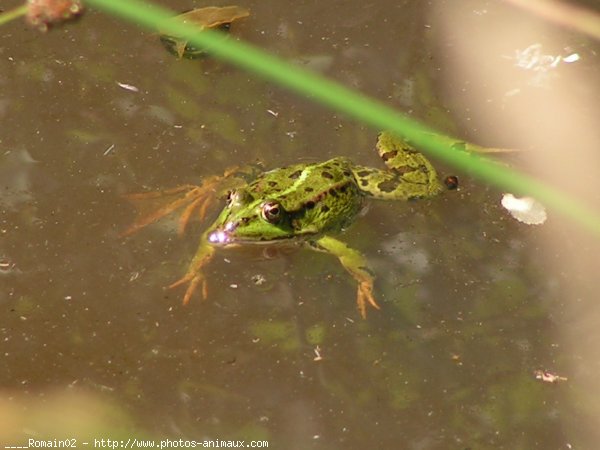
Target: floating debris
[[525, 209], [45, 13], [259, 279], [541, 64], [532, 58], [548, 377], [128, 87], [318, 356], [108, 150], [7, 266]]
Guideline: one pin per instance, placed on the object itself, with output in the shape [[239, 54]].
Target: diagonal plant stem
[[12, 14], [354, 104]]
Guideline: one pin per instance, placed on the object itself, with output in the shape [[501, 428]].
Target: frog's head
[[248, 219]]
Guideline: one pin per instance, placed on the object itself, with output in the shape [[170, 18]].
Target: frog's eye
[[271, 211]]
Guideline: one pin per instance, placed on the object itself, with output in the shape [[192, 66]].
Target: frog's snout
[[222, 235], [218, 237]]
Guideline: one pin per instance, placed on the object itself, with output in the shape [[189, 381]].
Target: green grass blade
[[12, 14]]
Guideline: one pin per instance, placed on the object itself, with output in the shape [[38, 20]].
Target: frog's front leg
[[356, 264], [194, 275]]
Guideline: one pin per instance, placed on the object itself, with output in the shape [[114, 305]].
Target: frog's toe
[[364, 296], [193, 282], [200, 203], [188, 196]]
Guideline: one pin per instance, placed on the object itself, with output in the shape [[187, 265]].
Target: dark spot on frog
[[389, 155], [333, 192], [363, 174], [343, 189], [295, 175], [403, 169], [364, 182], [387, 186], [347, 173], [308, 189], [272, 183], [310, 204], [325, 208], [326, 174], [320, 197]]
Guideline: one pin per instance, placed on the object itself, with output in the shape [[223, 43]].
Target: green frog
[[301, 203]]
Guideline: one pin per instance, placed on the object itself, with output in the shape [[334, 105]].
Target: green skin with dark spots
[[308, 202], [319, 198]]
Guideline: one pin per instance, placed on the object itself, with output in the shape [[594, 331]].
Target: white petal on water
[[526, 209]]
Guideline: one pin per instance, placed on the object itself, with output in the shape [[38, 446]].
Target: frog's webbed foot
[[355, 264], [364, 295], [194, 276], [193, 281]]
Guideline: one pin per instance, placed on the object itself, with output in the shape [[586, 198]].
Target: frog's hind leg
[[190, 195], [202, 197], [201, 203], [356, 265], [409, 173]]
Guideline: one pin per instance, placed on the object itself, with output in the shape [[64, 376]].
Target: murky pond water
[[473, 302]]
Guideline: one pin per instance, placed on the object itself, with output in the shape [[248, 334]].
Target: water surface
[[473, 302]]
